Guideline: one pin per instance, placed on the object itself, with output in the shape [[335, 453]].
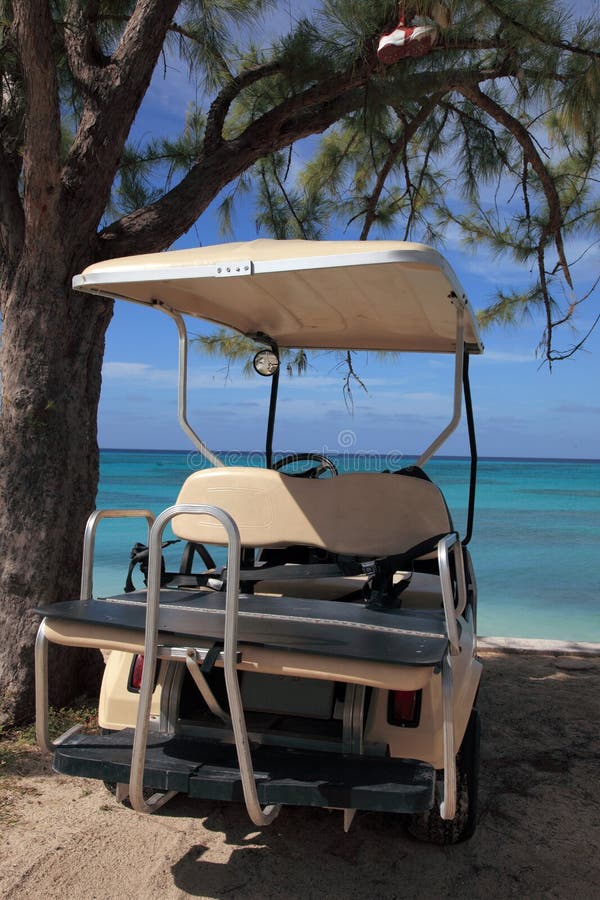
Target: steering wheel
[[324, 464]]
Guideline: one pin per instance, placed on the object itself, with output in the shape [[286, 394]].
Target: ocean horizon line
[[365, 453]]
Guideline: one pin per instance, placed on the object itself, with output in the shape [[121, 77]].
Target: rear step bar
[[210, 770], [236, 710]]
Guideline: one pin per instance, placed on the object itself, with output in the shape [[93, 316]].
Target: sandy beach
[[538, 833]]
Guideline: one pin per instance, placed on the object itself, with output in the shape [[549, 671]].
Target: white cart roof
[[363, 295]]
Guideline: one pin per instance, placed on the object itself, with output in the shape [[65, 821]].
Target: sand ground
[[538, 833]]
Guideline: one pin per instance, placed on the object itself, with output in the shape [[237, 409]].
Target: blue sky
[[521, 409]]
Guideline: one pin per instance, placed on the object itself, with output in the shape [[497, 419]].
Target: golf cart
[[332, 661]]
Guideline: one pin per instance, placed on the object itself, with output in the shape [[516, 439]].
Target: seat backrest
[[362, 513]]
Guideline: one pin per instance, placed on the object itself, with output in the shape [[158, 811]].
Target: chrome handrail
[[41, 642], [42, 716], [89, 541], [448, 803], [450, 611], [136, 783], [461, 579]]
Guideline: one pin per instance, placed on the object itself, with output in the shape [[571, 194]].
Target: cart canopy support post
[[458, 374], [182, 386]]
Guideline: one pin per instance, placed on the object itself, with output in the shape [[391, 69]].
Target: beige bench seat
[[369, 514]]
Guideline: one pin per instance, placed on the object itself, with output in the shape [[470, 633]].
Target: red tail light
[[135, 675], [404, 708]]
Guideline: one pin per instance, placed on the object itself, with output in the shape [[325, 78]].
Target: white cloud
[[134, 372]]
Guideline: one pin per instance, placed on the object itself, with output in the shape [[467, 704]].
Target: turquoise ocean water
[[536, 540]]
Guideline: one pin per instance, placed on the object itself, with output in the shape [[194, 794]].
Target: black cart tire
[[430, 827]]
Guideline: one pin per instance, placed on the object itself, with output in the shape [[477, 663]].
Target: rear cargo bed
[[332, 628]]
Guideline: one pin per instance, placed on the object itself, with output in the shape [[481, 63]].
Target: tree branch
[[309, 112], [84, 55], [422, 173], [410, 129], [518, 130], [159, 224], [288, 202], [350, 376], [557, 355], [267, 190], [110, 108], [222, 103], [520, 26], [146, 30]]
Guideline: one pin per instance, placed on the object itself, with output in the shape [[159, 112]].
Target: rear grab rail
[[86, 590], [89, 541], [452, 608], [136, 784]]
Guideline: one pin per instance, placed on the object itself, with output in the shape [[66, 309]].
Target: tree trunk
[[50, 359]]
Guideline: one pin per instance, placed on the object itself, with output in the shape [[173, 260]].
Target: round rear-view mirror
[[266, 362]]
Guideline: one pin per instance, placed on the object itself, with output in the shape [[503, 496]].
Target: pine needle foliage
[[494, 133], [511, 160]]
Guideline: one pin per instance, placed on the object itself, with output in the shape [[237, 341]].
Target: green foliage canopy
[[494, 134]]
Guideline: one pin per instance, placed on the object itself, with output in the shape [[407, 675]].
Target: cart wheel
[[430, 826]]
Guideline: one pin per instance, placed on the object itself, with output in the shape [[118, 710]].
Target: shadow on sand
[[538, 809]]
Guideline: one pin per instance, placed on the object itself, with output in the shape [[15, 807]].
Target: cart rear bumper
[[209, 770]]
